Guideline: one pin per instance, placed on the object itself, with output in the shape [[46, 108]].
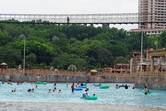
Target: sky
[[71, 7]]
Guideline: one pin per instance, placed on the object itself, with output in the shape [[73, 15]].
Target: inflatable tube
[[44, 83], [84, 84], [97, 85], [147, 92], [104, 87], [83, 87], [38, 82], [122, 86], [90, 98], [78, 89]]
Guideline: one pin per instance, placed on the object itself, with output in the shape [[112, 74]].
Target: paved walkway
[[15, 106]]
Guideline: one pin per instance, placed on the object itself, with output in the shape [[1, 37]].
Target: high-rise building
[[151, 11]]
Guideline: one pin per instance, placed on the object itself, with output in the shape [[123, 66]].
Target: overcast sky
[[71, 7]]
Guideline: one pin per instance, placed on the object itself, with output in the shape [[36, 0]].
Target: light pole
[[22, 36], [141, 48], [156, 43]]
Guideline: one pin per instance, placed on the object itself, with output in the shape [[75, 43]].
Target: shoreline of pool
[[57, 106]]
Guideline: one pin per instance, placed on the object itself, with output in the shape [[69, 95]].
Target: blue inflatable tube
[[97, 85], [83, 87], [122, 86], [78, 89]]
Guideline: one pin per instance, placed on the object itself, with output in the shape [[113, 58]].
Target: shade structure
[[72, 68]]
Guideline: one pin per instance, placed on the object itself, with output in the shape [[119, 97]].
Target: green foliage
[[86, 47]]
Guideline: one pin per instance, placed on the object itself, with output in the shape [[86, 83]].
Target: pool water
[[105, 96]]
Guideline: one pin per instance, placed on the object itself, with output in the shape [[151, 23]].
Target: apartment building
[[152, 11]]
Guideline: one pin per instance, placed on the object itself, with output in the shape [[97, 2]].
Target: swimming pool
[[105, 96]]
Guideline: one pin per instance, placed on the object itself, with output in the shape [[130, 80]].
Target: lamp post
[[156, 43], [22, 36], [141, 48]]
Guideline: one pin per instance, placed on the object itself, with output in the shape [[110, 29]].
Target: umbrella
[[3, 64], [93, 70]]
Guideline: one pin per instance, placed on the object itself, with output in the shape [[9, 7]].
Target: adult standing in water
[[72, 87]]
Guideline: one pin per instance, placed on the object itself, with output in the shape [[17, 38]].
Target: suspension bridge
[[113, 18]]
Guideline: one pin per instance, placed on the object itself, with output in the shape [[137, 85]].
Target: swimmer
[[145, 89], [54, 84], [117, 86], [72, 87], [126, 87], [133, 87], [29, 90], [94, 95], [86, 91], [14, 90], [36, 86], [60, 91], [32, 90], [84, 94], [49, 91], [54, 90], [66, 85]]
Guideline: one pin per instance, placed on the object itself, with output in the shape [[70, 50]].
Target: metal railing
[[113, 18]]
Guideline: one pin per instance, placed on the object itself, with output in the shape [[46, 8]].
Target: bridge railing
[[74, 18]]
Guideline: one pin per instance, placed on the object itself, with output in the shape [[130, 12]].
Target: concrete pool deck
[[30, 106]]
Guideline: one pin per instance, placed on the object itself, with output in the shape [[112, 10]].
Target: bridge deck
[[114, 18]]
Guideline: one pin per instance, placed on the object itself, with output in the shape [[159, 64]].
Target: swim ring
[[78, 89], [97, 85], [44, 83], [122, 86], [104, 87], [83, 87], [38, 82], [147, 92], [90, 98], [84, 84]]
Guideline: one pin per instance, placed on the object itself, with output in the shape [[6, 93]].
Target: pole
[[141, 48], [24, 61]]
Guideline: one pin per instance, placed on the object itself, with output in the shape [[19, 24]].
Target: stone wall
[[151, 80], [33, 75]]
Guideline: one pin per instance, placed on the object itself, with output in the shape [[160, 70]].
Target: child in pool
[[49, 91], [60, 91]]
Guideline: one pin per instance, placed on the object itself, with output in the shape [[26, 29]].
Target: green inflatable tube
[[38, 82], [104, 87], [84, 84], [147, 92], [44, 83], [90, 98]]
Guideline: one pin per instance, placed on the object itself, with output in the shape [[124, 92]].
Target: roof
[[148, 29]]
